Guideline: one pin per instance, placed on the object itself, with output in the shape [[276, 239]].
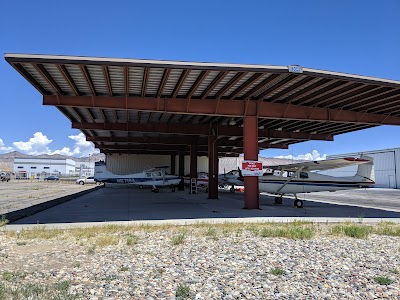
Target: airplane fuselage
[[313, 183]]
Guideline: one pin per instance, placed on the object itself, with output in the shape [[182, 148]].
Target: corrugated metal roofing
[[93, 76]]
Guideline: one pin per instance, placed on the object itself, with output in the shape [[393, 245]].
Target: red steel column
[[212, 167], [250, 145], [181, 186], [193, 161]]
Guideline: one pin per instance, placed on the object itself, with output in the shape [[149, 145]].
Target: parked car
[[82, 181], [5, 176], [51, 177]]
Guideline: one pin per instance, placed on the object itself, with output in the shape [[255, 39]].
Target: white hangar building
[[386, 166]]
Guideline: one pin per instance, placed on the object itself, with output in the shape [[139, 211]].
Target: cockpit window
[[303, 175]]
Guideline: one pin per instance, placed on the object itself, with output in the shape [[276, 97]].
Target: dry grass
[[128, 234]]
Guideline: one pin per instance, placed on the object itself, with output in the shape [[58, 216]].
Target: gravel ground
[[16, 194], [219, 266]]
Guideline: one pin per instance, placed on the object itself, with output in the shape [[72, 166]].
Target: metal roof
[[297, 87]]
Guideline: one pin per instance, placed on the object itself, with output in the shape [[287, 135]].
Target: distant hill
[[7, 159]]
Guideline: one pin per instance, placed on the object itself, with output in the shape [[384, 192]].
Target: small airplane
[[303, 178], [231, 178], [155, 177]]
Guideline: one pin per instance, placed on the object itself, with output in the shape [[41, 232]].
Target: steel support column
[[250, 144], [173, 164], [181, 170], [193, 161], [212, 167]]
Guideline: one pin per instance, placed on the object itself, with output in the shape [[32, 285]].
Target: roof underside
[[66, 76]]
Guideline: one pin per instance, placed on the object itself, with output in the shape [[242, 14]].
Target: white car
[[82, 181]]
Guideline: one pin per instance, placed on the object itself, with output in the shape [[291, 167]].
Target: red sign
[[252, 168]]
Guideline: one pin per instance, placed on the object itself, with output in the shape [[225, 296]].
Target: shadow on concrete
[[127, 204]]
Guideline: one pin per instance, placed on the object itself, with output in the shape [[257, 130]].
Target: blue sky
[[358, 37]]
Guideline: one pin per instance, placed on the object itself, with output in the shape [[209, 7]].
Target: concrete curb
[[28, 211]]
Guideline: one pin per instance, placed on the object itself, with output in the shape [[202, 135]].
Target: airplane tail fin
[[366, 170]]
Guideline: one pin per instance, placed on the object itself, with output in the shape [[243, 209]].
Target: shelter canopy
[[122, 104]]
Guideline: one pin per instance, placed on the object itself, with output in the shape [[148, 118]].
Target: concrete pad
[[128, 204]]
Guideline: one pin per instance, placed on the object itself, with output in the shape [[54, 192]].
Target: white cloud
[[81, 147], [39, 144], [35, 146], [315, 155], [3, 148]]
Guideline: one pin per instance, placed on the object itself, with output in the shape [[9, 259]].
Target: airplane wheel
[[140, 186], [221, 186], [232, 189], [298, 203], [173, 189], [278, 200], [156, 191]]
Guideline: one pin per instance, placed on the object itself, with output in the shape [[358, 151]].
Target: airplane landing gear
[[232, 189], [298, 203], [278, 200], [173, 188], [156, 190]]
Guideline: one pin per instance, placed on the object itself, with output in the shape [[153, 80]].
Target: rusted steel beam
[[178, 140], [228, 108], [164, 80], [63, 70], [180, 82], [276, 86], [88, 79], [193, 129], [90, 114], [107, 79], [259, 86], [290, 88], [80, 116], [246, 84], [230, 84], [197, 83], [104, 116], [32, 80], [40, 68], [144, 81], [126, 81], [213, 84]]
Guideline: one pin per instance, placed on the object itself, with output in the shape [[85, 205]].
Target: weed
[[292, 232], [394, 271], [123, 269], [212, 233], [383, 280], [132, 240], [182, 292], [277, 272], [77, 264], [386, 228], [21, 243], [105, 241], [92, 250], [33, 291], [12, 276], [3, 221], [352, 230], [178, 239]]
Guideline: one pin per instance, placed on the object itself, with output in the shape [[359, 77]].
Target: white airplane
[[231, 178], [156, 177], [302, 178]]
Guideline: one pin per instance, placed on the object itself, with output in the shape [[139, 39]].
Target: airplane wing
[[320, 165]]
